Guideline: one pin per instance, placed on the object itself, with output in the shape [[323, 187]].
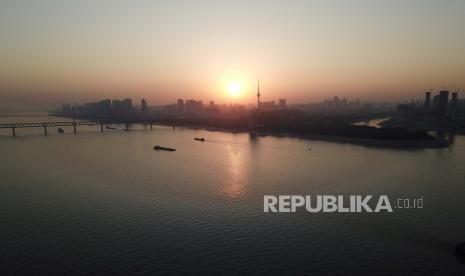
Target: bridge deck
[[53, 124]]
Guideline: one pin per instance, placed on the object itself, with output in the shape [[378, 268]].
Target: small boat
[[157, 147], [200, 139], [109, 127], [60, 130]]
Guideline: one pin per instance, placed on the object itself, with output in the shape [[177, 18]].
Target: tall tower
[[258, 95]]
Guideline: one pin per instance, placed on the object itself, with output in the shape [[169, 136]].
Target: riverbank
[[431, 125], [357, 135], [435, 143]]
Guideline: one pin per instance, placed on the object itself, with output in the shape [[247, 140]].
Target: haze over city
[[232, 137], [76, 51]]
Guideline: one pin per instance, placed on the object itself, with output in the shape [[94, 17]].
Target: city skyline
[[161, 51], [232, 137]]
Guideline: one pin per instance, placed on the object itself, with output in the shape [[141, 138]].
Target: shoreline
[[436, 143]]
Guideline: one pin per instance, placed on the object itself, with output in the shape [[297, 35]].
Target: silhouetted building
[[282, 103], [144, 107], [103, 108], [335, 106], [453, 106], [122, 109], [193, 106], [443, 101], [427, 101]]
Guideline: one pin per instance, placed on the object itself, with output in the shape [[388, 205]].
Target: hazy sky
[[73, 51]]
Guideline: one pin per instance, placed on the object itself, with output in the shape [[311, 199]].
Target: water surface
[[100, 203]]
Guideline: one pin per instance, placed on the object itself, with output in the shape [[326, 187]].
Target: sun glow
[[234, 89]]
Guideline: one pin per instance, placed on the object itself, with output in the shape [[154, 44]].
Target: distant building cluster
[[444, 106], [124, 109], [335, 105], [197, 109], [272, 105], [440, 106], [185, 109], [114, 109], [443, 111]]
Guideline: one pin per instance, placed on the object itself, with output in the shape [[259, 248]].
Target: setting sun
[[234, 89]]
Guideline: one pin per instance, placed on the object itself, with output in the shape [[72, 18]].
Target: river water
[[107, 203]]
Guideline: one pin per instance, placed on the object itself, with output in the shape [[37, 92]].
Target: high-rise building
[[193, 106], [127, 107], [116, 108], [144, 107], [442, 103], [103, 108], [427, 100], [122, 109], [453, 105]]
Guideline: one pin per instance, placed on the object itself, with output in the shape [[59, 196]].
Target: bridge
[[46, 125], [173, 122]]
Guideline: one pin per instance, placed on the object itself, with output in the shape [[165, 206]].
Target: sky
[[65, 51]]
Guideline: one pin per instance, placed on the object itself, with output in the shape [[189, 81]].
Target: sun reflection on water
[[236, 185]]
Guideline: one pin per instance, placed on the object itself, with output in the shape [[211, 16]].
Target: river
[[101, 203]]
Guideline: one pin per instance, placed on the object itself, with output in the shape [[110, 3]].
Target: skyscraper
[[144, 106], [427, 100], [453, 105], [442, 104]]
